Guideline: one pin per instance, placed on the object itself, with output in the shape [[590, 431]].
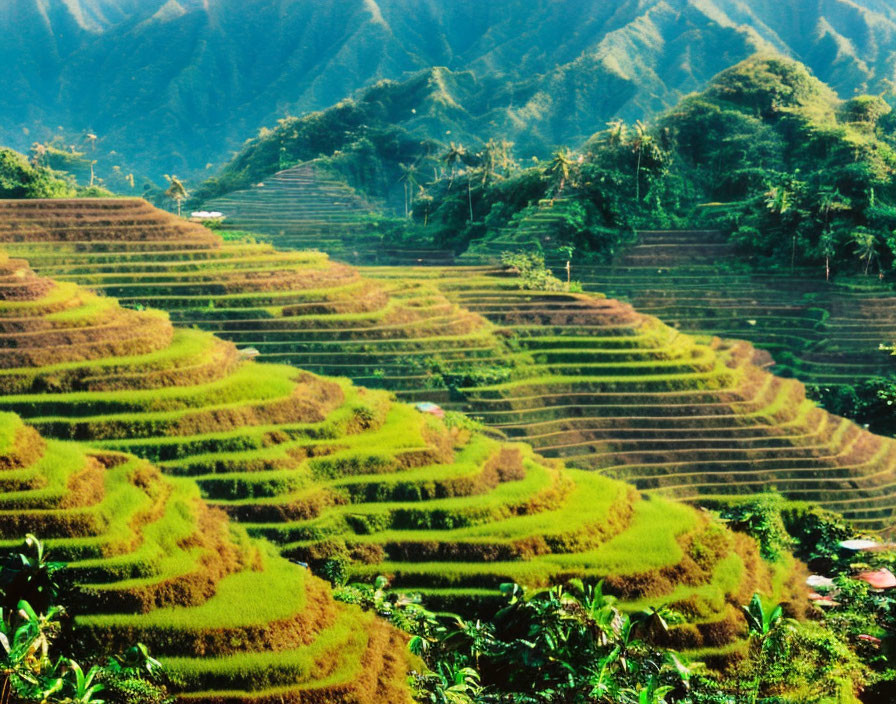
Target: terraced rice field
[[305, 208], [607, 388], [819, 332], [297, 308], [331, 471], [581, 378], [149, 561]]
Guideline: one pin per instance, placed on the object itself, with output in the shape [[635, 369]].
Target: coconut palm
[[38, 153], [409, 179], [866, 246], [617, 133], [828, 249], [176, 191], [495, 158], [455, 154], [568, 250], [830, 201], [642, 142], [561, 168], [779, 200], [427, 200]]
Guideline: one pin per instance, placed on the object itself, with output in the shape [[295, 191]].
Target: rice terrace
[[391, 352]]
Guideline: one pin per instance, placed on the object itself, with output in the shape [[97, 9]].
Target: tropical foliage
[[36, 664], [574, 644]]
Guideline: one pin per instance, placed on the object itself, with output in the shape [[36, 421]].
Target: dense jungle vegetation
[[766, 152], [21, 177]]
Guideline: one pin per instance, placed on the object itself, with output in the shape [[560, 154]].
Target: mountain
[[175, 85]]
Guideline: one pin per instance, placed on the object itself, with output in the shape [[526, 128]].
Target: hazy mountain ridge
[[174, 84]]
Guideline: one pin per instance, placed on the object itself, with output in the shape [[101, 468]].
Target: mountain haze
[[174, 85]]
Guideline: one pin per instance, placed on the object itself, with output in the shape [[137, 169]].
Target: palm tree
[[495, 157], [828, 250], [176, 191], [829, 201], [560, 168], [409, 178], [470, 191], [779, 200], [617, 133], [38, 153], [643, 140], [427, 201], [454, 155], [866, 246]]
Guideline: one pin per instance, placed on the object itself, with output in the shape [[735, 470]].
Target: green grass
[[282, 583]]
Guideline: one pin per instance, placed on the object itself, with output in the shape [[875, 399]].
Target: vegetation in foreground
[[38, 661], [569, 643], [574, 644]]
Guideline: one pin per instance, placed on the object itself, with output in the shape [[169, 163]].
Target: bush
[[532, 271]]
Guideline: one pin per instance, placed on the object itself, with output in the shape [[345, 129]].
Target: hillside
[[237, 67], [766, 153], [471, 340], [826, 334], [344, 478], [149, 561]]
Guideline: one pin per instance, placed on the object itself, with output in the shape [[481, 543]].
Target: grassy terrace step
[[693, 281], [611, 389], [287, 305], [332, 471], [148, 561], [846, 321], [566, 360], [306, 208]]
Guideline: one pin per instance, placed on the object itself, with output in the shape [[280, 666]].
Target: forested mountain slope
[[547, 72]]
